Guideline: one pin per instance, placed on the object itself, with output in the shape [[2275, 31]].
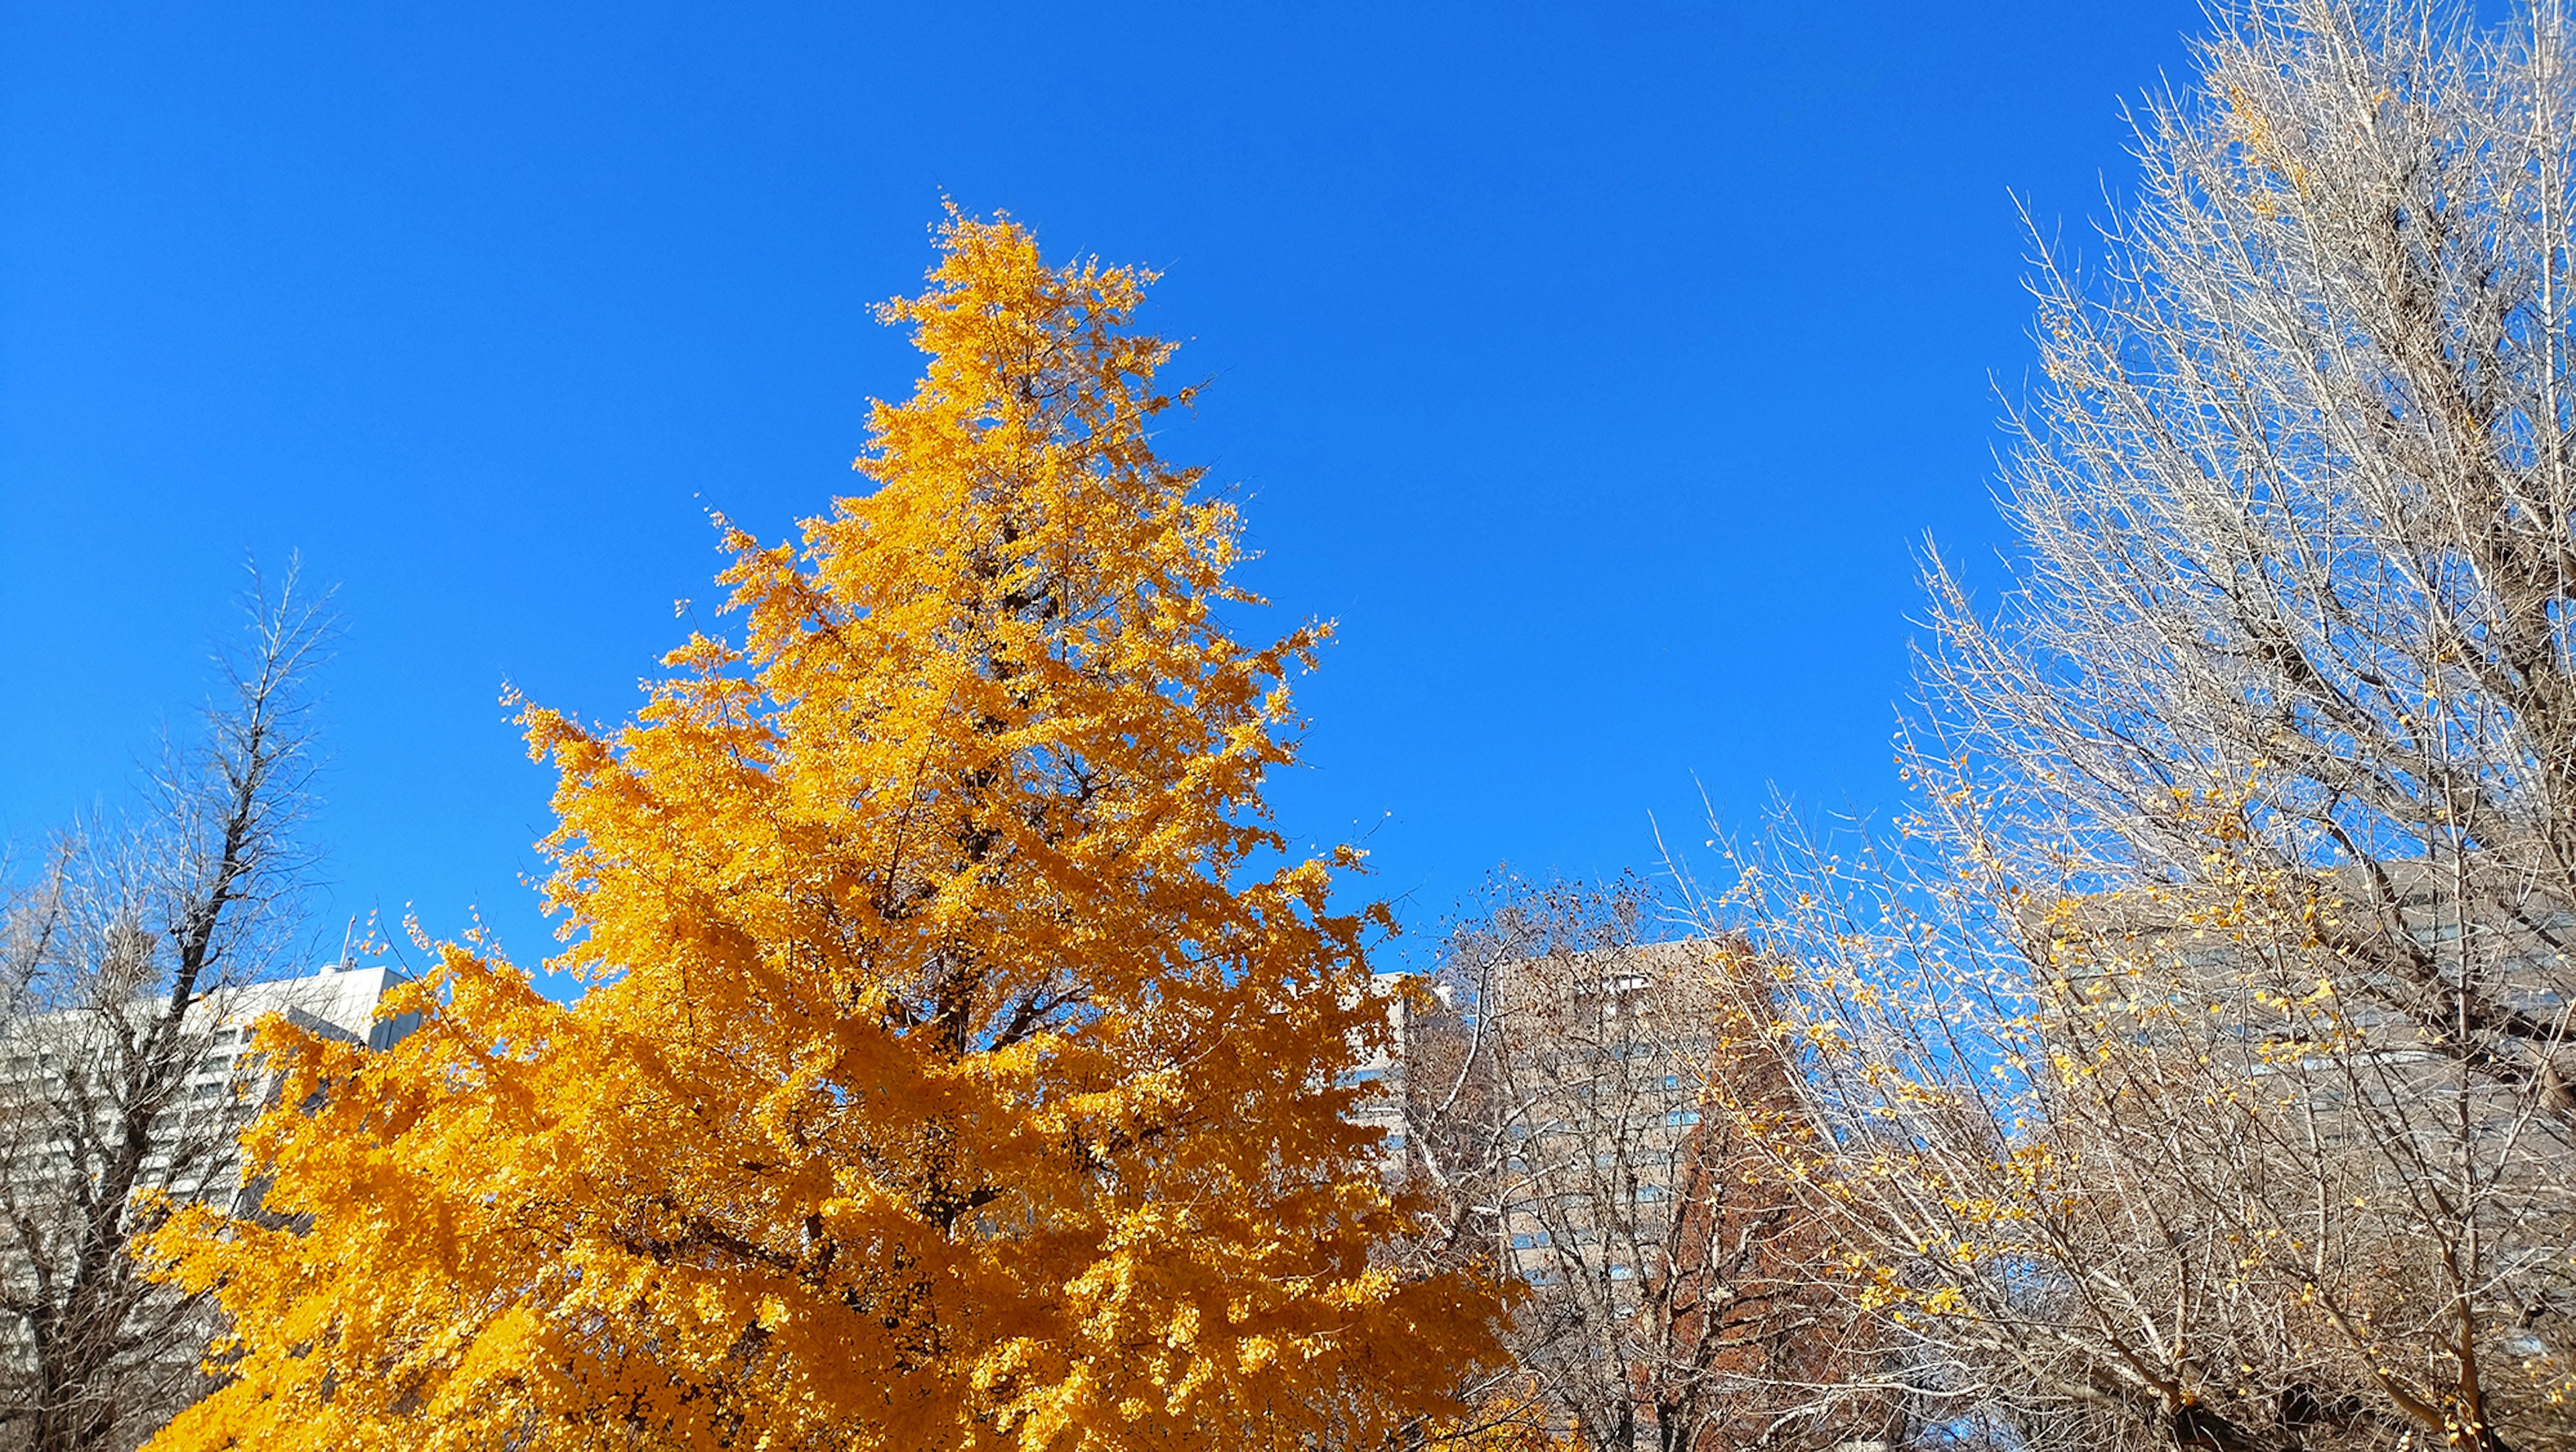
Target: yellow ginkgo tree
[[958, 1064]]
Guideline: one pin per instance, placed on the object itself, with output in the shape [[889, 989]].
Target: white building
[[336, 1003], [99, 1104], [56, 1065]]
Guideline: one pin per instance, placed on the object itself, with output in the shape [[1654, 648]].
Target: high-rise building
[[101, 1107]]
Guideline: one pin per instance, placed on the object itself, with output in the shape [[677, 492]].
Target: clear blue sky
[[1597, 367]]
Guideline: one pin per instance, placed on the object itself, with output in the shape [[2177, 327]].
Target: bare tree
[[2194, 1069], [1555, 1091], [119, 950], [2148, 1168], [2297, 514]]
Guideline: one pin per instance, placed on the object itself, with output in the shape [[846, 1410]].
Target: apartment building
[[1566, 1086], [79, 1091], [1566, 1097], [61, 1095]]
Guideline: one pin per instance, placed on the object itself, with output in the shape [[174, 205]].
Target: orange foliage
[[957, 1063], [1511, 1415]]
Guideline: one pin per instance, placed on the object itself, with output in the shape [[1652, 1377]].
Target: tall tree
[[958, 1064], [2197, 1074], [118, 953], [2297, 508]]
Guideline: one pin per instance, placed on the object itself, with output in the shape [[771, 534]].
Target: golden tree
[[960, 1058]]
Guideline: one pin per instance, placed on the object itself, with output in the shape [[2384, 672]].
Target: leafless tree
[[2297, 512], [1556, 1081], [119, 948], [2148, 1168], [2193, 1070]]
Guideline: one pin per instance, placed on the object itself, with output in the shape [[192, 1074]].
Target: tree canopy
[[961, 1060]]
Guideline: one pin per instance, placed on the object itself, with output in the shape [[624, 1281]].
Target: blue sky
[[1598, 368]]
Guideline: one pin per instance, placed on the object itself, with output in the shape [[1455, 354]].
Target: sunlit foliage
[[958, 1064]]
